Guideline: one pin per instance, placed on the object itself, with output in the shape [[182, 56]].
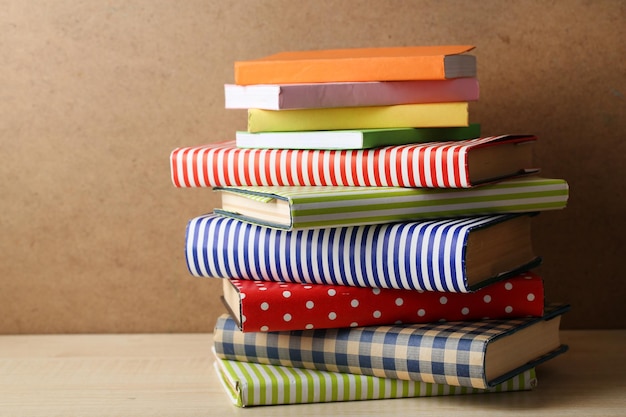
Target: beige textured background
[[95, 94]]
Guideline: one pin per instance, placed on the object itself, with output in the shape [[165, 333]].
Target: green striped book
[[304, 207], [252, 384]]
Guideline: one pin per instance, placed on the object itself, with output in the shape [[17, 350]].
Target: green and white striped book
[[252, 384], [319, 206]]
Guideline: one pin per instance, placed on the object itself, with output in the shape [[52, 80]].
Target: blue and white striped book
[[451, 255]]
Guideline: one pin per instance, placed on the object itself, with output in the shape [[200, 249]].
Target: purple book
[[349, 94]]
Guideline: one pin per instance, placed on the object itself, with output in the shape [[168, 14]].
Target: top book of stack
[[359, 64]]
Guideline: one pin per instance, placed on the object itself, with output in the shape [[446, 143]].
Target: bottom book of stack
[[383, 362], [253, 384]]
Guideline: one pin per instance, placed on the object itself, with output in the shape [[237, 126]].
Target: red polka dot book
[[259, 306], [348, 299]]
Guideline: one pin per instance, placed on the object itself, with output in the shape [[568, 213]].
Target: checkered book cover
[[451, 353]]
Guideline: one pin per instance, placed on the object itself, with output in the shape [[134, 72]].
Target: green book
[[252, 384], [353, 139], [302, 207]]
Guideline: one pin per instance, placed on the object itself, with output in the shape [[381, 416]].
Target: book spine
[[427, 255], [373, 117], [273, 306], [435, 165], [251, 384], [415, 353]]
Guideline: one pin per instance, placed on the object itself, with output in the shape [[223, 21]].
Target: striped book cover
[[453, 255], [476, 354], [456, 164], [372, 117], [252, 384], [261, 306], [349, 94], [311, 207]]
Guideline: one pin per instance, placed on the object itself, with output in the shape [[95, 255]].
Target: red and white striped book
[[452, 164]]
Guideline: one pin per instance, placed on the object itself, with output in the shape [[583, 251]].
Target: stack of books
[[371, 243]]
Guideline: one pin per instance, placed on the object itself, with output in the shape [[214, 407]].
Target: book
[[258, 306], [375, 117], [458, 164], [302, 207], [476, 354], [353, 138], [253, 384], [448, 255], [358, 64], [349, 94]]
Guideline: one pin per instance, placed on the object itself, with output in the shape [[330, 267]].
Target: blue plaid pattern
[[451, 353]]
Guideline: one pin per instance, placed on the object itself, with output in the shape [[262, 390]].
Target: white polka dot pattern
[[272, 306]]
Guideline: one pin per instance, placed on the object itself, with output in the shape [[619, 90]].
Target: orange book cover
[[359, 64]]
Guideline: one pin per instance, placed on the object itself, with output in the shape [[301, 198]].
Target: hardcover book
[[448, 255], [253, 384], [477, 354], [258, 306], [353, 138], [457, 164], [293, 208], [375, 117], [359, 94], [359, 64]]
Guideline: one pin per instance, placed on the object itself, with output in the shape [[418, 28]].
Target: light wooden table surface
[[172, 375]]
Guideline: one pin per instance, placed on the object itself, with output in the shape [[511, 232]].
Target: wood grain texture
[[95, 94], [172, 375]]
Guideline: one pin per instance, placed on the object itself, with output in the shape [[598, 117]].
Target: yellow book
[[376, 117]]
